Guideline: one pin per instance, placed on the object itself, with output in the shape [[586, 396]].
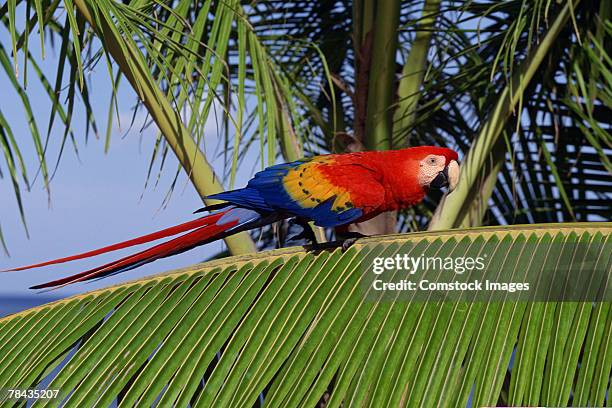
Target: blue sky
[[95, 201]]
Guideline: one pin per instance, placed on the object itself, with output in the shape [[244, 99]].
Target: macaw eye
[[432, 161]]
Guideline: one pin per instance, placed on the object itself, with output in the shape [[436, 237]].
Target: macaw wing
[[259, 191], [319, 189]]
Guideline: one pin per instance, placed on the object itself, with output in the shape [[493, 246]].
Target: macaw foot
[[345, 243], [345, 240], [350, 238], [307, 231]]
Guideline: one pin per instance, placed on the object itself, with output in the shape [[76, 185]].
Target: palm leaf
[[454, 211], [294, 328]]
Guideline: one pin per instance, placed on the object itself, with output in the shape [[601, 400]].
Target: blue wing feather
[[266, 192]]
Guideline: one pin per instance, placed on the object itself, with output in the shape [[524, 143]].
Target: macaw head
[[437, 166]]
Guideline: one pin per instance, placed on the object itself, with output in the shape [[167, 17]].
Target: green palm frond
[[540, 157], [291, 328]]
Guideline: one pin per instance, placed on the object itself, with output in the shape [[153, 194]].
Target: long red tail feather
[[201, 231], [174, 246], [177, 229]]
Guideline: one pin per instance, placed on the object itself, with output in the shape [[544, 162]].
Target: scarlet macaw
[[331, 190]]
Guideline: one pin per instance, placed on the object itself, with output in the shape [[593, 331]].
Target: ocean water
[[13, 304]]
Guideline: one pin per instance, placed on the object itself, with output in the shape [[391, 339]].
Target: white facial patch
[[453, 174], [429, 168]]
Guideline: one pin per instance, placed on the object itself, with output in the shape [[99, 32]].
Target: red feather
[[177, 229], [174, 246], [380, 181], [201, 231]]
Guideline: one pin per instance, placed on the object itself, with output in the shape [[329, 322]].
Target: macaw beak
[[447, 177]]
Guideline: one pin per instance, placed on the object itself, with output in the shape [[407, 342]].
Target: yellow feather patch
[[309, 187], [342, 202]]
